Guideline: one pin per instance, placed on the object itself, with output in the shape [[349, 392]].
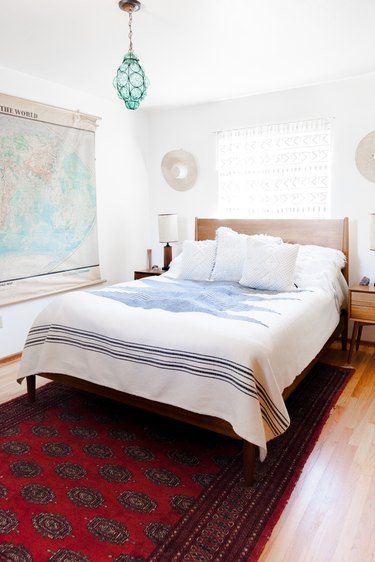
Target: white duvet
[[214, 348]]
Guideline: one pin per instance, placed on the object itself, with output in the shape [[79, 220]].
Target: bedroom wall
[[131, 190], [122, 190], [349, 102]]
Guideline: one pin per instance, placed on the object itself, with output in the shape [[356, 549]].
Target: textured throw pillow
[[269, 266], [198, 259], [231, 251]]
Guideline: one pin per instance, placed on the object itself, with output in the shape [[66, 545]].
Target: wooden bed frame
[[331, 233]]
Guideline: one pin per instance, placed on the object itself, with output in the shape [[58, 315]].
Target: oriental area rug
[[85, 479]]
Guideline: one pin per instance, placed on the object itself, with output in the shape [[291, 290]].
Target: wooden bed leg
[[344, 333], [249, 456], [31, 384]]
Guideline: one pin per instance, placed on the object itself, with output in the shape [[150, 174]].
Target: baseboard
[[10, 358]]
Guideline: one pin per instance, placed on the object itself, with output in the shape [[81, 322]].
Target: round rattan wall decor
[[365, 156], [179, 169]]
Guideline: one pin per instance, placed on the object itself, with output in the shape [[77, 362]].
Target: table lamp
[[168, 232]]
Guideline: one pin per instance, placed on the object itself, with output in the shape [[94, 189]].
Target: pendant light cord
[[130, 33]]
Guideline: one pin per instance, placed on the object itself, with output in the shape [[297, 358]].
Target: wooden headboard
[[332, 233]]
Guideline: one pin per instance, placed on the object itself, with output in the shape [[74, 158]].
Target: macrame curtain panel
[[275, 171]]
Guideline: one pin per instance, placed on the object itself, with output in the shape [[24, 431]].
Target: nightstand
[[139, 274], [361, 309]]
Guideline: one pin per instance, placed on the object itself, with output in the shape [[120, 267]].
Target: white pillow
[[317, 266], [175, 267], [309, 255], [231, 251], [269, 266], [198, 259]]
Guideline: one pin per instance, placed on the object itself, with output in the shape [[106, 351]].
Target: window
[[275, 171]]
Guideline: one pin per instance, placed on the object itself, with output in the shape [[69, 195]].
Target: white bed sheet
[[232, 363]]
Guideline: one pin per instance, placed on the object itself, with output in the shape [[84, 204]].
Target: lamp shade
[[168, 230], [372, 232]]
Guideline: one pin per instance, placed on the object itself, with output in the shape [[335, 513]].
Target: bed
[[206, 348]]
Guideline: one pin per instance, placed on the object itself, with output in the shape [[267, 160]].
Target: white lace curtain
[[275, 171]]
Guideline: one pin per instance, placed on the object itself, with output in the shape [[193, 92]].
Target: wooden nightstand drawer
[[362, 313], [362, 306], [361, 301]]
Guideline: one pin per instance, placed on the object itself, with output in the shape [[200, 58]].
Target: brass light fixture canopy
[[129, 5]]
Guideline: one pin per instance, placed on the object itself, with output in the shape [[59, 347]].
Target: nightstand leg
[[359, 337], [352, 341]]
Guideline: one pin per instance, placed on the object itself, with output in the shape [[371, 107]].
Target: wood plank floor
[[330, 516]]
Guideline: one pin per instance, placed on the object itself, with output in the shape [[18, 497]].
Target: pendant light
[[130, 81]]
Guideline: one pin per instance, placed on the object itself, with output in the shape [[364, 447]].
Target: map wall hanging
[[48, 229]]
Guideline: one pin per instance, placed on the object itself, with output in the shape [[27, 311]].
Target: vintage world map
[[47, 199]]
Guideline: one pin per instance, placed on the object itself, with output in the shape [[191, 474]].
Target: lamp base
[[167, 256]]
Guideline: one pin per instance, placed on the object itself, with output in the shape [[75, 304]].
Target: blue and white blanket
[[214, 348]]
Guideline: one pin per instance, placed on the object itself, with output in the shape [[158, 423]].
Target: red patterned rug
[[84, 479]]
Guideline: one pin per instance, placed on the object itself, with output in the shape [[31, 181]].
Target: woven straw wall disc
[[365, 156], [179, 169]]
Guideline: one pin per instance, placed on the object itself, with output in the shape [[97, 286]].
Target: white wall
[[349, 102], [122, 190], [130, 146]]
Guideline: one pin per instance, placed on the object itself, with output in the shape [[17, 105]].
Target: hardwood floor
[[330, 516], [9, 387]]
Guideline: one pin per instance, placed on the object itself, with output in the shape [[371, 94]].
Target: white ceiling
[[191, 51]]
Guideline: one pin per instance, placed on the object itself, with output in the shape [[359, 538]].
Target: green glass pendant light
[[130, 81]]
